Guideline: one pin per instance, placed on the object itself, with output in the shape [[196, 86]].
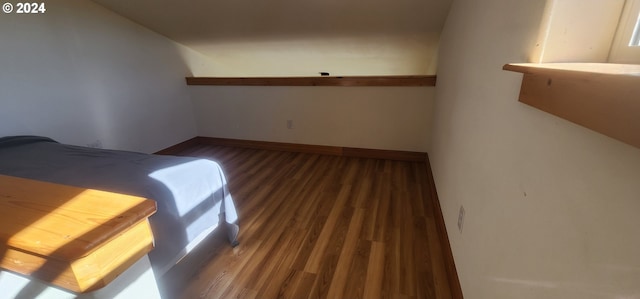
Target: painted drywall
[[577, 30], [394, 118], [408, 54], [83, 75], [287, 38], [551, 207]]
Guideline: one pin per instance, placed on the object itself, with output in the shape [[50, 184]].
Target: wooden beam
[[316, 81], [600, 96]]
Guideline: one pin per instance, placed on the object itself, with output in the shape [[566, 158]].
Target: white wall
[[394, 118], [81, 74], [551, 207]]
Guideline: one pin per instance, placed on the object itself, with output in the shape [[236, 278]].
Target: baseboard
[[384, 154], [274, 146], [450, 266], [317, 149], [175, 149]]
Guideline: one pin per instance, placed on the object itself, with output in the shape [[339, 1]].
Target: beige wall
[[577, 30], [408, 54], [81, 74], [395, 118], [551, 207], [344, 38], [290, 38]]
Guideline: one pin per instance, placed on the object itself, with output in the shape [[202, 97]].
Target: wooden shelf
[[603, 97], [575, 68], [75, 238], [316, 81]]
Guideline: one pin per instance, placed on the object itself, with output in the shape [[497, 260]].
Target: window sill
[[315, 81], [600, 96]]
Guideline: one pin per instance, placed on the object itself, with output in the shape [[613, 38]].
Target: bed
[[191, 193]]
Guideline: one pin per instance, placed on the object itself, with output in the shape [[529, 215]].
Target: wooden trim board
[[429, 80], [318, 149], [449, 262]]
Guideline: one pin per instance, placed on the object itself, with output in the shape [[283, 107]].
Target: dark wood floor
[[314, 226]]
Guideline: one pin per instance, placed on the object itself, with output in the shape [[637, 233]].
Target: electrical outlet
[[461, 218], [289, 124]]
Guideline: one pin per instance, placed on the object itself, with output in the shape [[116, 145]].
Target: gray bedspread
[[191, 193]]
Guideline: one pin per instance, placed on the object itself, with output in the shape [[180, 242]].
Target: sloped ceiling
[[293, 37]]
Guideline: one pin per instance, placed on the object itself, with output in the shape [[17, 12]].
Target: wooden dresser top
[[63, 223]]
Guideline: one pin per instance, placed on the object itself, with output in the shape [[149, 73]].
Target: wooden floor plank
[[331, 255], [315, 226], [329, 228], [341, 275], [423, 260], [375, 271], [357, 277]]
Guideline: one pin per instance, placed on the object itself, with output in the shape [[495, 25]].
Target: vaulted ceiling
[[348, 36]]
